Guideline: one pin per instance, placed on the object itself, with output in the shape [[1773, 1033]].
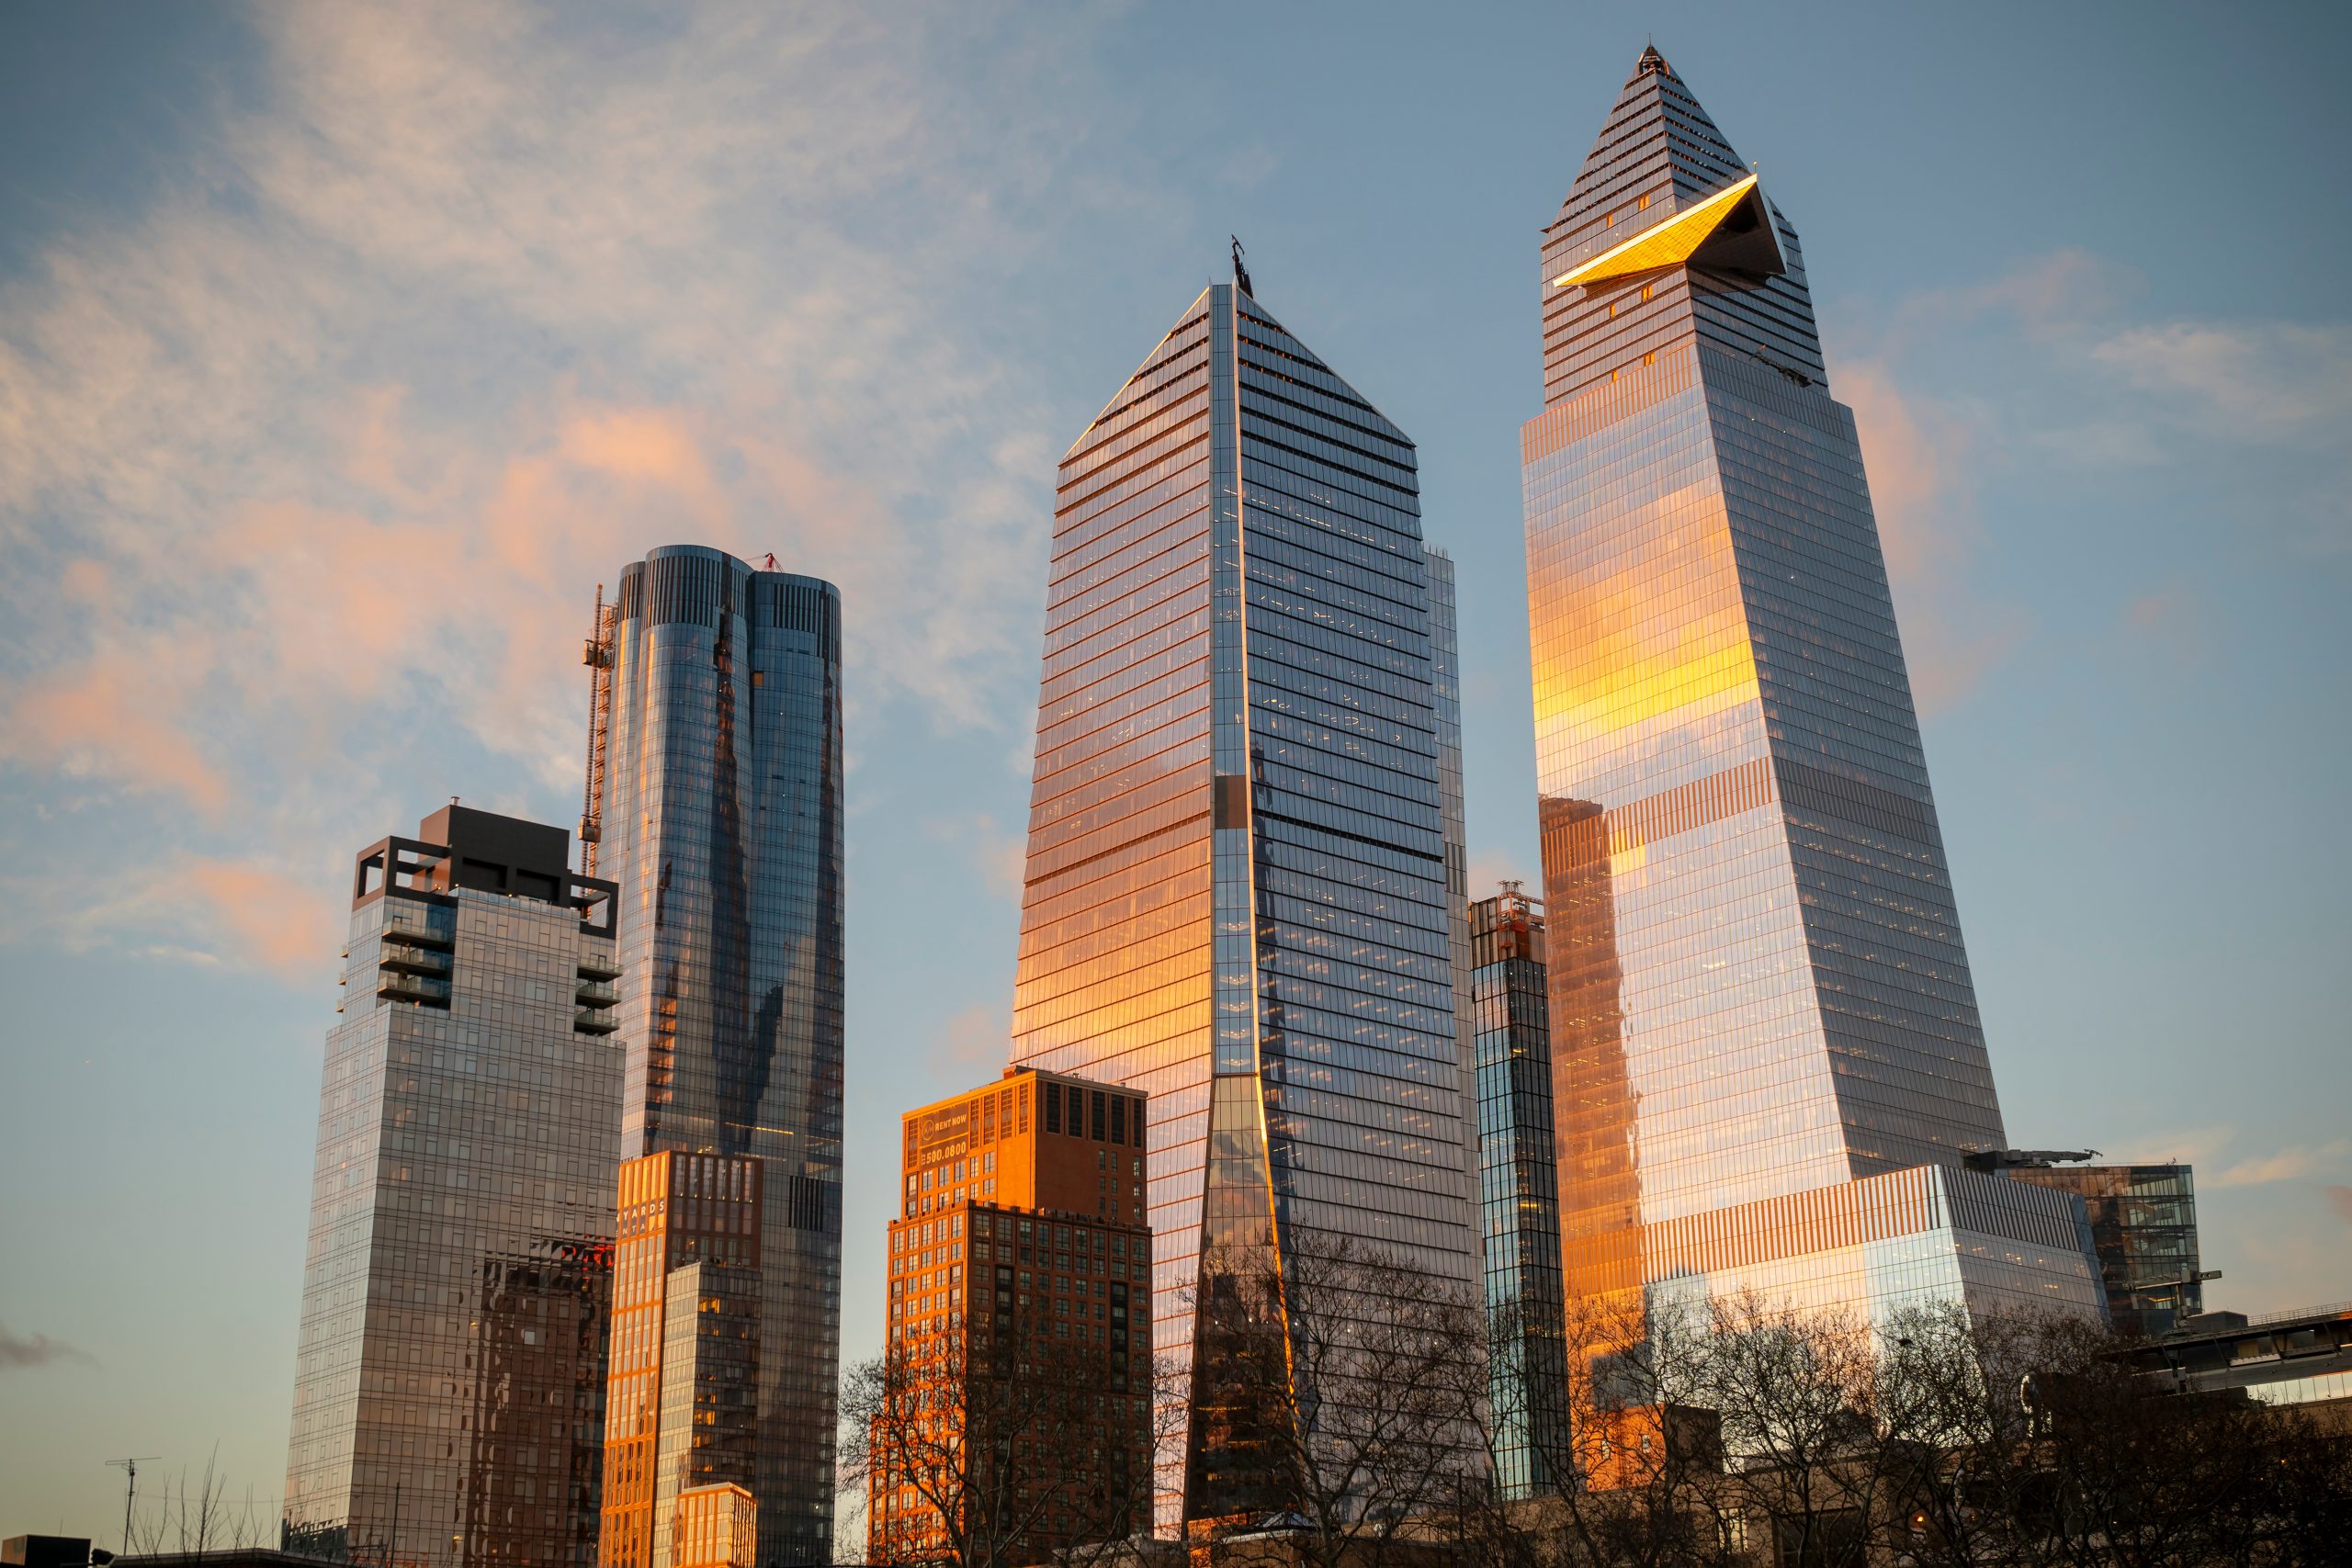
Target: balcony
[[414, 960], [597, 994], [408, 922], [422, 988], [593, 1020], [599, 966]]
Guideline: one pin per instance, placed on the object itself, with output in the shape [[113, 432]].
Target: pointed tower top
[[1647, 152]]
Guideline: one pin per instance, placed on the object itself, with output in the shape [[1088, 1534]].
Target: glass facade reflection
[[1759, 988], [1518, 1192], [448, 1394], [2143, 1224], [681, 1408], [1237, 895], [721, 824]]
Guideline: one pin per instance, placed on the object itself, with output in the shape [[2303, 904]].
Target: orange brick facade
[[1020, 1299]]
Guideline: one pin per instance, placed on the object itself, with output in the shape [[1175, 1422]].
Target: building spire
[[1652, 63]]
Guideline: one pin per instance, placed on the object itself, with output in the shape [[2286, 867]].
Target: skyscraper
[[721, 821], [450, 1374], [1520, 1192], [1237, 895], [1760, 1004]]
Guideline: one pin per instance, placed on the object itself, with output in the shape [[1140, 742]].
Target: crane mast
[[597, 655]]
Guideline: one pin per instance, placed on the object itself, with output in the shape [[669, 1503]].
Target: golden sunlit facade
[[1758, 994], [1243, 886], [717, 1527], [1020, 1322], [681, 1400]]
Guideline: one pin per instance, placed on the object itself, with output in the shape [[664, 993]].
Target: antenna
[[597, 655], [129, 1489]]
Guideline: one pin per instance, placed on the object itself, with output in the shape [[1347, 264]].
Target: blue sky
[[343, 352]]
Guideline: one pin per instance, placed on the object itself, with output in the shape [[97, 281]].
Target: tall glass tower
[[721, 826], [1237, 889], [1519, 1193], [1760, 1001], [449, 1381]]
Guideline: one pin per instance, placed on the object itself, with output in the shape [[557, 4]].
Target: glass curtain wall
[[1237, 895], [1759, 986], [722, 825]]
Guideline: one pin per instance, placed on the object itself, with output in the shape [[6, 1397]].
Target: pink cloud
[[105, 718], [320, 549], [974, 1046], [1916, 454], [278, 922]]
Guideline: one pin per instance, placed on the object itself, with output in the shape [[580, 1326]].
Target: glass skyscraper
[[1759, 999], [1237, 895], [722, 827], [449, 1382], [1518, 1192]]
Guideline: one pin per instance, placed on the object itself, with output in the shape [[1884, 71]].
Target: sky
[[344, 351]]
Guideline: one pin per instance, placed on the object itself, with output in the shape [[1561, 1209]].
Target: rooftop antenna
[[129, 1489], [1242, 273]]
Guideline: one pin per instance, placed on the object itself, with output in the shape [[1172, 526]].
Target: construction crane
[[597, 655]]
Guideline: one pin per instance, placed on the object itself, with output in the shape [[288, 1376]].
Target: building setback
[[1761, 1013], [450, 1369], [719, 819], [1020, 1322], [1237, 892]]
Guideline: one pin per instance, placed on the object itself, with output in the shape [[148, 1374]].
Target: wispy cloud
[[36, 1350], [2088, 386], [324, 452], [2294, 1163], [1918, 452]]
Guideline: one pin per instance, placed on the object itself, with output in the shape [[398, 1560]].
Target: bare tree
[[1340, 1395], [2035, 1444], [194, 1516], [1941, 1438], [984, 1454]]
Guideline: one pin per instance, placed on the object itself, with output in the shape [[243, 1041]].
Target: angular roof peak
[[1657, 137]]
